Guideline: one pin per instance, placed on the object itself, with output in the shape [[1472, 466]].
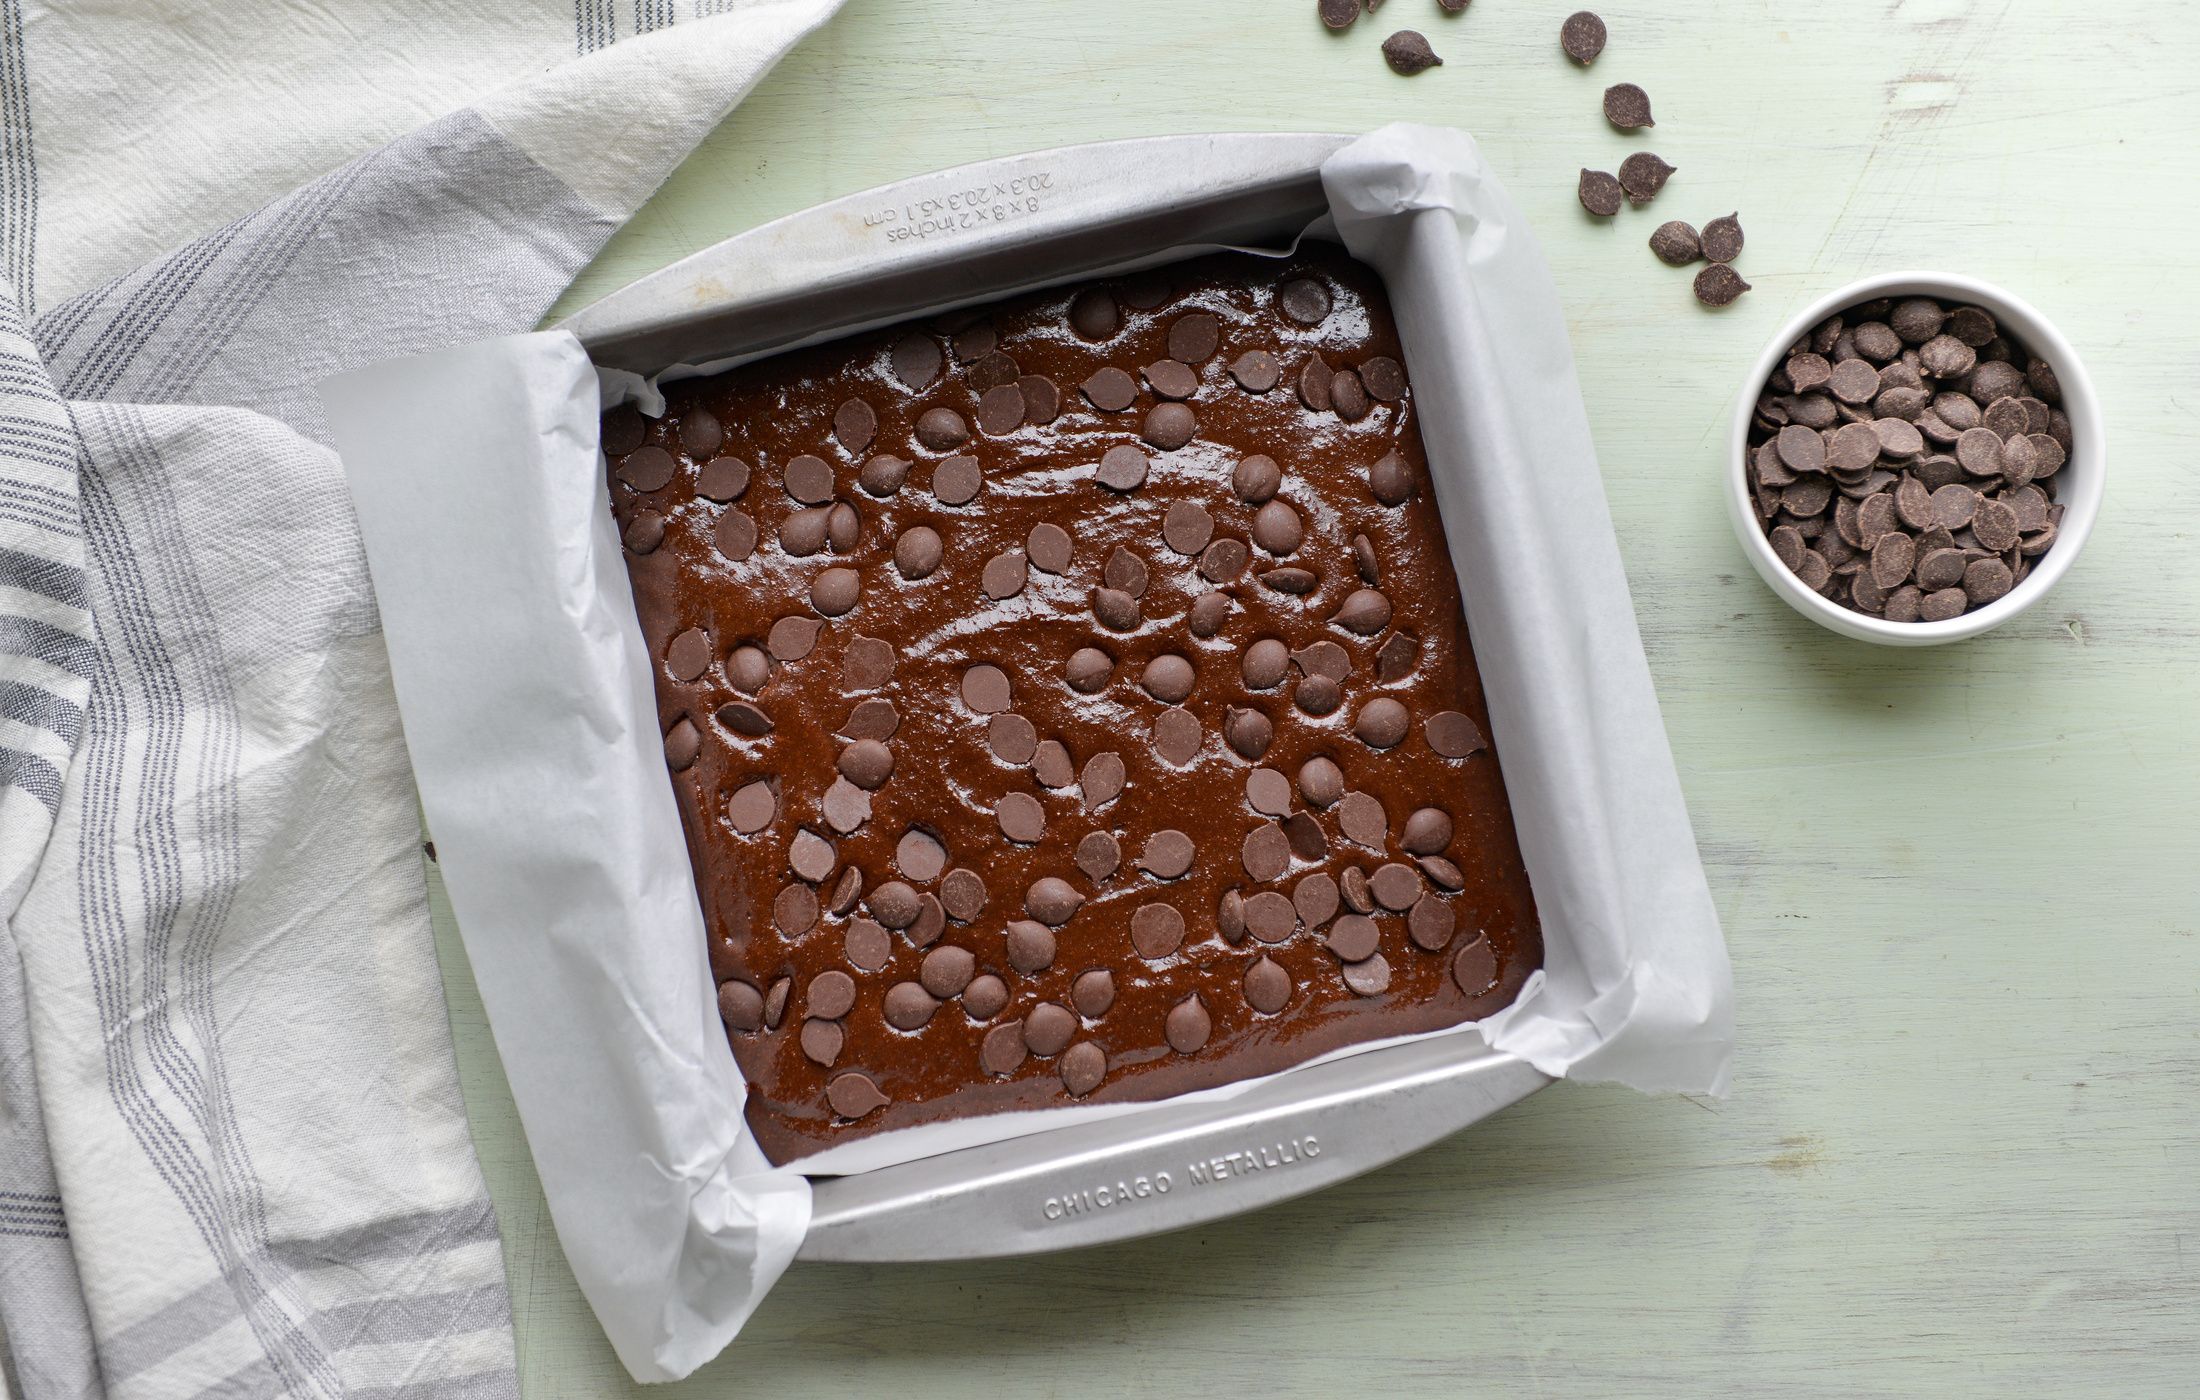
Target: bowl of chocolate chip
[[1917, 459]]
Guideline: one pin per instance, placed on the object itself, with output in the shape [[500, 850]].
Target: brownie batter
[[1070, 700]]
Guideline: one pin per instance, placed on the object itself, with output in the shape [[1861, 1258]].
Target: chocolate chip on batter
[[1157, 931], [855, 424], [1362, 820], [1122, 468], [834, 592], [1352, 888], [957, 481], [1267, 852], [822, 1041], [1305, 300], [916, 361], [744, 718], [846, 806], [1395, 886], [1427, 832], [1194, 338], [752, 807], [1256, 371], [1257, 479], [846, 891], [1021, 818], [1042, 399], [1082, 1068], [623, 429], [682, 743], [875, 718], [1099, 855], [1188, 527], [1001, 410], [1270, 917], [1093, 315], [1171, 379], [1048, 1029], [648, 468], [1452, 734], [1188, 1025], [984, 998], [1005, 575], [1109, 389], [1013, 739], [1317, 695], [1363, 612], [1176, 736], [1353, 938], [1248, 732], [867, 763], [722, 479], [1169, 426], [1267, 987], [946, 970], [1382, 723], [688, 654], [1002, 1051], [1051, 766], [1268, 792], [1391, 480], [1224, 560], [1321, 782], [867, 664], [1031, 946], [1101, 781], [811, 856], [1115, 609], [1370, 978], [942, 429], [1088, 670]]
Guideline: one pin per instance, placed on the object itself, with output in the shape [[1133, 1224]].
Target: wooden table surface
[[1961, 886]]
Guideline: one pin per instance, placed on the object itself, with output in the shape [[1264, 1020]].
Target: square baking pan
[[973, 234]]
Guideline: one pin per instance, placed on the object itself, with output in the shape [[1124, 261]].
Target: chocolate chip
[[1267, 987], [1116, 610], [793, 638], [682, 743], [867, 664], [1627, 107], [842, 526], [1083, 1066], [1001, 410], [1954, 505], [1193, 339], [1722, 239], [1305, 836], [822, 1040], [983, 999], [867, 763], [942, 429], [1599, 192], [1452, 734], [648, 469], [875, 718], [1021, 817], [1176, 736], [854, 1095], [1052, 901], [1088, 670], [1353, 938], [1352, 888], [1157, 931], [831, 995], [918, 552], [1256, 371], [1338, 14], [1304, 300], [1248, 732], [1427, 832], [687, 656], [1051, 766], [1257, 479], [1266, 853], [1294, 581], [1676, 244], [644, 532], [908, 1006], [1187, 528], [846, 806], [740, 1006], [1187, 1025], [1270, 917], [1395, 886], [1268, 792], [1364, 612], [1370, 978], [1110, 389], [744, 718], [1582, 37], [957, 481], [1101, 782], [1317, 695], [1099, 855], [1169, 426], [1399, 655], [1321, 782], [916, 361], [1382, 723], [1125, 571], [997, 371], [1122, 468], [1171, 379], [1391, 480], [1315, 899], [1047, 1030], [1002, 1051], [1362, 820], [1005, 575], [1042, 399], [1719, 285], [1224, 560], [802, 534], [1985, 580], [1031, 946], [1943, 604], [1012, 738], [1348, 398], [985, 689], [834, 592], [867, 945], [811, 856], [1408, 52], [1642, 175], [846, 891]]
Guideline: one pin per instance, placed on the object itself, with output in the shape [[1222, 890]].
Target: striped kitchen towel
[[233, 1157]]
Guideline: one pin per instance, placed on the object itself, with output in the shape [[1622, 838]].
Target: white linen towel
[[233, 1159]]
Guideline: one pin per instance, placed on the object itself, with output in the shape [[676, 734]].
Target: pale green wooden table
[[1962, 888]]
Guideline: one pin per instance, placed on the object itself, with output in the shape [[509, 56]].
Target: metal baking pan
[[972, 234]]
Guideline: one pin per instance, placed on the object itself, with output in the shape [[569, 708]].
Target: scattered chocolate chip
[[1391, 480], [1002, 1051], [1116, 610], [1248, 732], [1304, 300], [644, 532], [1082, 1068], [1321, 782], [822, 1041], [622, 430], [687, 656], [1382, 723], [1187, 1026], [867, 763], [1453, 735], [1642, 175], [846, 891], [1169, 426], [1005, 575], [1101, 782], [1122, 468], [1676, 244], [1051, 766], [957, 481], [1021, 817], [1363, 612], [1582, 37], [1099, 855], [853, 1095], [1362, 820], [1317, 695], [1353, 938], [1395, 886], [744, 718], [1352, 888], [1268, 792], [1088, 670], [1722, 239], [1408, 52], [1599, 192], [1427, 832], [1224, 560], [1338, 14], [1370, 978], [1176, 736], [1047, 1030], [1157, 931], [740, 1006], [846, 806], [984, 999], [1627, 107], [834, 592], [1719, 285], [1256, 371], [1012, 738], [648, 468], [1398, 657], [918, 552], [1171, 379], [1109, 389], [1031, 946], [1266, 853], [1001, 410]]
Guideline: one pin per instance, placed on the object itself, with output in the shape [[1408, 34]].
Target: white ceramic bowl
[[2077, 485]]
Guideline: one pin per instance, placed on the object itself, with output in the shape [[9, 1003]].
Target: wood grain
[[1960, 886]]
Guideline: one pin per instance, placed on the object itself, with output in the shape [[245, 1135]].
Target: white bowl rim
[[2081, 504]]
